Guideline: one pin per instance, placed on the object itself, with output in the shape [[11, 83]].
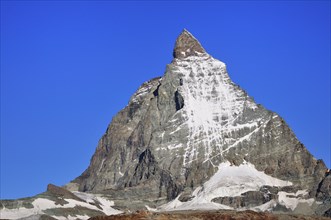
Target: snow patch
[[174, 146], [228, 181], [291, 200], [41, 204], [69, 217], [100, 168], [105, 204], [235, 180], [16, 213], [268, 206], [150, 209]]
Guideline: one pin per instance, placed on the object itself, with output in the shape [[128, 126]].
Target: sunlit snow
[[41, 204], [212, 104], [228, 181], [291, 200]]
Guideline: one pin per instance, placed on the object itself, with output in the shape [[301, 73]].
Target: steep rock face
[[324, 188], [177, 129], [187, 45]]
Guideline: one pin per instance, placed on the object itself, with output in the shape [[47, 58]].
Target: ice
[[228, 181], [235, 180]]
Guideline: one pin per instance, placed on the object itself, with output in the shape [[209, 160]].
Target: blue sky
[[67, 67]]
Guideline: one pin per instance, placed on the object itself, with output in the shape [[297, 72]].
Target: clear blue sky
[[67, 67]]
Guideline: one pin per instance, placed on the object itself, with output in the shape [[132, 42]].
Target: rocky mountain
[[194, 140]]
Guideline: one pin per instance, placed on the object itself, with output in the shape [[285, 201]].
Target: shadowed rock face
[[324, 188], [177, 129]]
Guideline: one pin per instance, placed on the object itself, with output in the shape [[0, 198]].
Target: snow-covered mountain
[[193, 139]]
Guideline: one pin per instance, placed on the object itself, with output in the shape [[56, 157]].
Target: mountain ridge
[[184, 137], [187, 78]]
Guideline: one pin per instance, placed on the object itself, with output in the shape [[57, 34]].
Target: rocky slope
[[57, 203], [178, 129], [193, 139]]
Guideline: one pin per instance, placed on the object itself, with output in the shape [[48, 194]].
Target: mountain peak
[[193, 140], [187, 45]]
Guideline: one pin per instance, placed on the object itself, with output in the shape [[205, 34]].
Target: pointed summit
[[187, 45]]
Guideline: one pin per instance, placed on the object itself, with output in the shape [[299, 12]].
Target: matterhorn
[[190, 140]]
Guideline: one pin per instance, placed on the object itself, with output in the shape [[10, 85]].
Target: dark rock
[[324, 188], [248, 199], [77, 210], [187, 45], [269, 189], [328, 213], [179, 101]]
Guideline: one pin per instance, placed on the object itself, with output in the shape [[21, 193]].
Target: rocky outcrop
[[327, 213], [324, 188], [61, 192], [248, 199], [57, 203], [187, 45]]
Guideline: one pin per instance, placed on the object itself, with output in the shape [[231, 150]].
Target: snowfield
[[231, 181], [42, 204]]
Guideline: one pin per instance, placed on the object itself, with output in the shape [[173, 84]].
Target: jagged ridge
[[190, 121], [191, 139]]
